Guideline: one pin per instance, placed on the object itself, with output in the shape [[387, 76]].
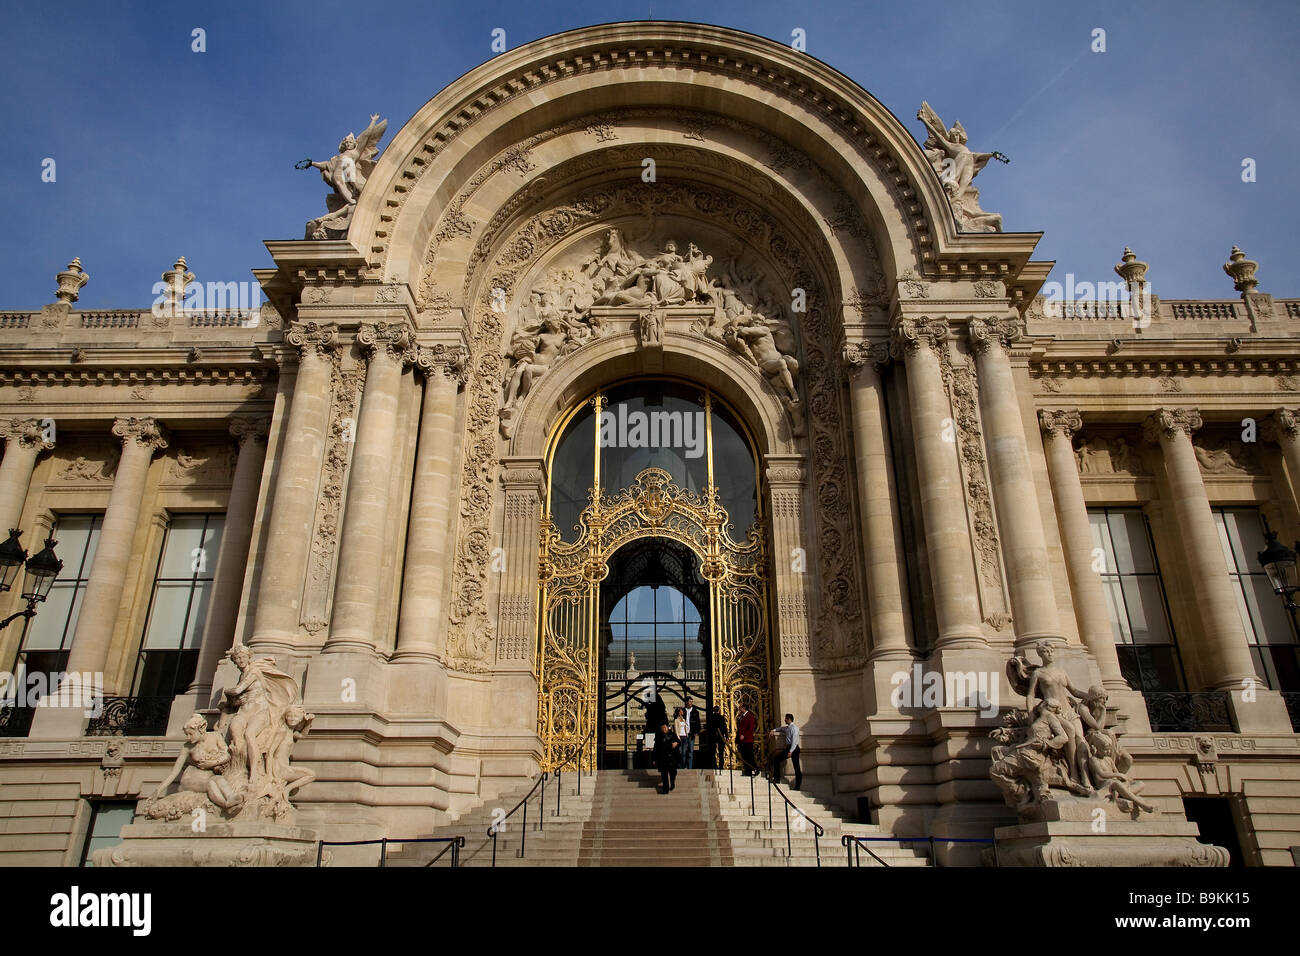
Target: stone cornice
[[1123, 365]]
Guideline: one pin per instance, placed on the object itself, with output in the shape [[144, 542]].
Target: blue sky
[[161, 151]]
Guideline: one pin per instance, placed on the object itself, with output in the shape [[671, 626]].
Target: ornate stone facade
[[930, 450]]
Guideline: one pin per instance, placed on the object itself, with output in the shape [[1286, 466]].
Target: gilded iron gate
[[568, 655]]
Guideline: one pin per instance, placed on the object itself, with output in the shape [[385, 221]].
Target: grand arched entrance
[[652, 488]]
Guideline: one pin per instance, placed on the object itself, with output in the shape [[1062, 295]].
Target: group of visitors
[[675, 743]]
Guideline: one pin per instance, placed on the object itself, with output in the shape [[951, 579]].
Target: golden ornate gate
[[568, 655]]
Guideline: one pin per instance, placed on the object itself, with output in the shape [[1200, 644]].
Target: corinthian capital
[[245, 428], [27, 432], [396, 340], [313, 338], [1060, 422], [1169, 422], [986, 333], [865, 354], [1282, 425], [909, 336], [451, 360], [145, 432]]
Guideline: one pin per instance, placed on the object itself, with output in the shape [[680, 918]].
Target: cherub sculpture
[[346, 175]]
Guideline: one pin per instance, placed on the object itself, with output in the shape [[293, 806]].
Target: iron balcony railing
[[1188, 712], [131, 717]]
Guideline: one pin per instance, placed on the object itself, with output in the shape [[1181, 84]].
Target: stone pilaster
[[228, 577], [792, 551], [524, 483], [389, 347], [24, 442], [882, 536], [421, 622], [947, 536], [1024, 545], [288, 539], [1224, 649], [1059, 427]]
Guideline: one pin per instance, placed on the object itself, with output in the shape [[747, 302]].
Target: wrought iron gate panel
[[570, 574]]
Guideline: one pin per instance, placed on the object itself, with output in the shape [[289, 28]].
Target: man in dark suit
[[687, 754], [718, 737], [666, 757], [746, 724]]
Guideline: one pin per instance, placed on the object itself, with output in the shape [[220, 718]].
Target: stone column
[[24, 441], [1225, 650], [1283, 427], [429, 554], [1024, 546], [228, 576], [1059, 427], [141, 438], [288, 539], [389, 347], [882, 538], [947, 535]]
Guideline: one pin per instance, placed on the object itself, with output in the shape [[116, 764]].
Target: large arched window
[[683, 428]]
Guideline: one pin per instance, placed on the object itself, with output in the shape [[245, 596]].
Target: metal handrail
[[731, 775], [580, 753], [523, 839], [852, 842], [818, 830], [454, 844]]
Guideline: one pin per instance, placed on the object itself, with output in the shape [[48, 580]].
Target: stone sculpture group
[[563, 313], [240, 770], [1060, 743]]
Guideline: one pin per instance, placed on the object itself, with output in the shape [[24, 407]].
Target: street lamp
[[1279, 564], [42, 568]]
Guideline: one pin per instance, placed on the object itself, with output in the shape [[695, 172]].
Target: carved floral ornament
[[313, 338], [145, 432], [451, 360], [986, 333], [1060, 422], [26, 432], [393, 340], [859, 356], [1168, 423], [910, 336]]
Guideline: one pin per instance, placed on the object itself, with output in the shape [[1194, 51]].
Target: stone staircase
[[754, 843], [621, 819]]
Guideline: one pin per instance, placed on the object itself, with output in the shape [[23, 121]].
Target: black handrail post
[[523, 835], [541, 815], [494, 848], [817, 844], [753, 811], [320, 851], [934, 860], [769, 803], [788, 851], [996, 864], [559, 788], [383, 852]]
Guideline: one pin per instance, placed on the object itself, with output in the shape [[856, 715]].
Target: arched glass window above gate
[[683, 428]]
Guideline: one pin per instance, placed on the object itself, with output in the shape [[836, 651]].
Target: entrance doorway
[[654, 649]]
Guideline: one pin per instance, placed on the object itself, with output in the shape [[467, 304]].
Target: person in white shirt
[[789, 734], [682, 728]]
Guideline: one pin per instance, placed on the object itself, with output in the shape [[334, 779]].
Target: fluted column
[[389, 347], [141, 438], [1226, 652], [882, 537], [947, 535], [1024, 545], [237, 535], [1058, 427], [24, 441], [288, 539], [1283, 427], [420, 624]]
